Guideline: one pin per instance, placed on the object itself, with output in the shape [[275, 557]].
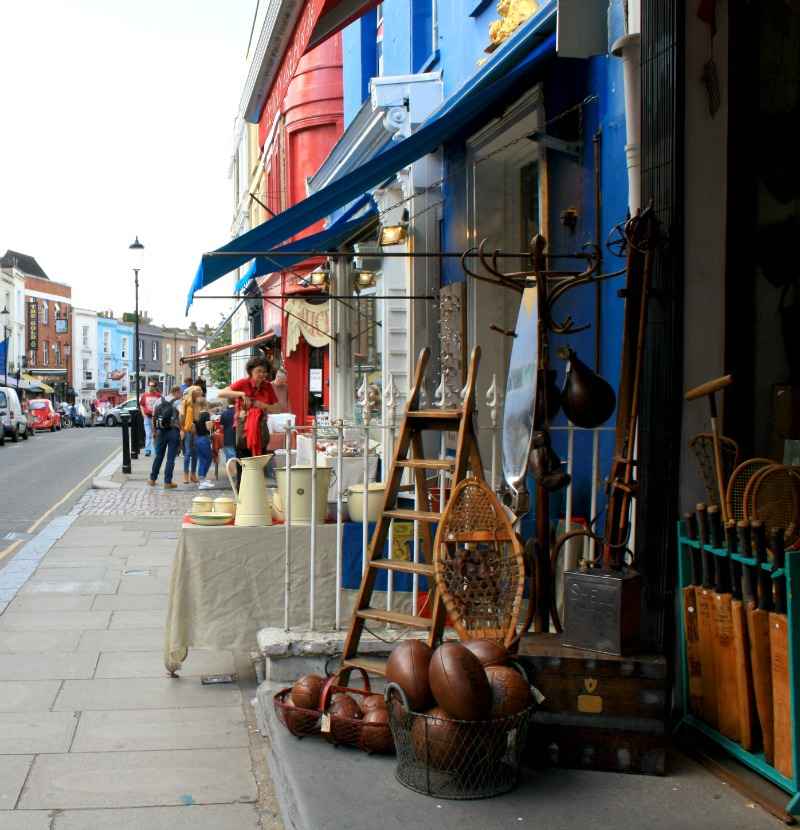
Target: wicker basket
[[340, 731], [447, 758]]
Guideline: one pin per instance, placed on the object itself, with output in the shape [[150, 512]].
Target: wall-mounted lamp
[[395, 234], [319, 277], [365, 279]]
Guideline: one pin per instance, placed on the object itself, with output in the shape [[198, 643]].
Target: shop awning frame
[[221, 351], [521, 54]]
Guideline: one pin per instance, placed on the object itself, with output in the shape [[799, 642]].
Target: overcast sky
[[117, 120]]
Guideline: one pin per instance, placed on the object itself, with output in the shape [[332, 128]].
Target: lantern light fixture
[[395, 234], [365, 279]]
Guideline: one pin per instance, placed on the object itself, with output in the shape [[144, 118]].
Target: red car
[[44, 415]]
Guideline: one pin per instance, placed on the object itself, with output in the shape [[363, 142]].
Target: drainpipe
[[628, 48]]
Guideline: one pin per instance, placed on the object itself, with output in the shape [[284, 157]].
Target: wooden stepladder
[[409, 454]]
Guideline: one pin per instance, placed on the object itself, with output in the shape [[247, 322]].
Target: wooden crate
[[600, 712]]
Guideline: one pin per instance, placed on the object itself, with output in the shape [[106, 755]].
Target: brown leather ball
[[408, 667], [307, 691], [297, 722], [489, 652], [376, 736], [459, 682], [342, 710], [511, 693], [438, 740], [372, 702]]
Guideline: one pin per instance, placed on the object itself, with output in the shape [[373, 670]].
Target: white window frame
[[154, 350], [85, 335], [106, 342], [124, 349], [141, 349], [44, 312]]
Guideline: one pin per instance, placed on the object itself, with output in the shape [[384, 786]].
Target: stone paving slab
[[104, 537], [106, 586], [35, 732], [77, 557], [29, 820], [151, 559], [200, 728], [137, 619], [38, 642], [28, 696], [199, 817], [78, 573], [13, 771], [144, 693], [121, 640], [139, 779], [131, 602], [144, 584], [49, 603], [54, 620], [151, 664], [70, 666]]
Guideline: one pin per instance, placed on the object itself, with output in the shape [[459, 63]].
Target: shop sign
[[310, 320], [315, 380], [33, 326]]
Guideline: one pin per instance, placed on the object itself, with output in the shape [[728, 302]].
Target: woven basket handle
[[332, 683], [394, 688]]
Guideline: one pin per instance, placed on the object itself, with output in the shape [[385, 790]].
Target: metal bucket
[[355, 501], [301, 494]]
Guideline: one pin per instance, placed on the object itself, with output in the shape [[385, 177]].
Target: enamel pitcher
[[253, 503]]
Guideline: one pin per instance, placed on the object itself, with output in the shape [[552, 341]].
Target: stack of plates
[[210, 519]]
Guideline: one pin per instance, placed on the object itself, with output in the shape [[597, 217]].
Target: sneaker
[[151, 482], [205, 485], [147, 452], [170, 485]]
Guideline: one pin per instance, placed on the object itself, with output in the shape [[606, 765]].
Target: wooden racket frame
[[503, 534], [724, 441], [733, 479], [794, 475]]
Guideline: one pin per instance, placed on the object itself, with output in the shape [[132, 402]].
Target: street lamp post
[[6, 315], [137, 255]]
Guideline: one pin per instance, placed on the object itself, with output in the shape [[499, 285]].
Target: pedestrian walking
[[228, 422], [148, 403], [188, 438], [168, 437], [203, 444]]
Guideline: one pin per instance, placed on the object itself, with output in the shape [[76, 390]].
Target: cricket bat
[[690, 624], [758, 629], [779, 655], [706, 625]]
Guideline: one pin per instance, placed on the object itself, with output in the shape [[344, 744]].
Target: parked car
[[45, 415], [114, 416], [12, 418]]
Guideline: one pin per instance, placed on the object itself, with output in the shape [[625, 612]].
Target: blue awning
[[328, 240], [533, 43]]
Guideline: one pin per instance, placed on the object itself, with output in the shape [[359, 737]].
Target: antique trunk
[[599, 712]]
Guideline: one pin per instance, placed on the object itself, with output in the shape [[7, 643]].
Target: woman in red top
[[254, 398]]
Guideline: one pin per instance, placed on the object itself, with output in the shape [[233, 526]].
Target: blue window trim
[[431, 61], [479, 6]]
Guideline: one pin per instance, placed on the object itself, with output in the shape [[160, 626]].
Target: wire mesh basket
[[447, 758]]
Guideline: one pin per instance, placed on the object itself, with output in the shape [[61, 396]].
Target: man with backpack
[[168, 437]]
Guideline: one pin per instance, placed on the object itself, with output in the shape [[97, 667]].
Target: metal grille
[[660, 434]]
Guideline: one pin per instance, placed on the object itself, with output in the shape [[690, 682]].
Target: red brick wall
[[46, 332]]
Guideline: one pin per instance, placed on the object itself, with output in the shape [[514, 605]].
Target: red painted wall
[[312, 122]]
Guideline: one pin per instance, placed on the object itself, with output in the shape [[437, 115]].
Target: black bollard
[[134, 430], [126, 445]]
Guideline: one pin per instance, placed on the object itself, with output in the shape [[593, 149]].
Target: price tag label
[[537, 695], [325, 726]]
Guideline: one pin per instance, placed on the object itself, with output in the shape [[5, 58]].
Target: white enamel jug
[[253, 504]]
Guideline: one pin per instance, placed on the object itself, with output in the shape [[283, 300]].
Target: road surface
[[36, 474]]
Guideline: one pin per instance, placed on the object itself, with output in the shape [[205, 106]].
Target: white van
[[13, 420]]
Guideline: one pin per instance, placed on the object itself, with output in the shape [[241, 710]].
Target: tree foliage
[[219, 368]]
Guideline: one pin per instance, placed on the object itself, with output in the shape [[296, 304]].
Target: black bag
[[166, 416]]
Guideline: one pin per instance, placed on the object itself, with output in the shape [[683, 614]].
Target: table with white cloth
[[228, 582]]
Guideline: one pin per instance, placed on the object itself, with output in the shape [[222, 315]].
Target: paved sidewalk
[[93, 734]]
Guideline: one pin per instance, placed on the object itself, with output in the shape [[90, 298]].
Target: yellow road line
[[10, 549], [72, 491]]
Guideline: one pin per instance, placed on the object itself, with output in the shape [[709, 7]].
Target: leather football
[[298, 722], [511, 693], [408, 667], [372, 702], [459, 683], [307, 691], [376, 736], [438, 741], [342, 710], [489, 652]]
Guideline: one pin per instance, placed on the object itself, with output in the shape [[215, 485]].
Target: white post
[[287, 576], [313, 534], [339, 525], [390, 401], [493, 404], [364, 525]]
